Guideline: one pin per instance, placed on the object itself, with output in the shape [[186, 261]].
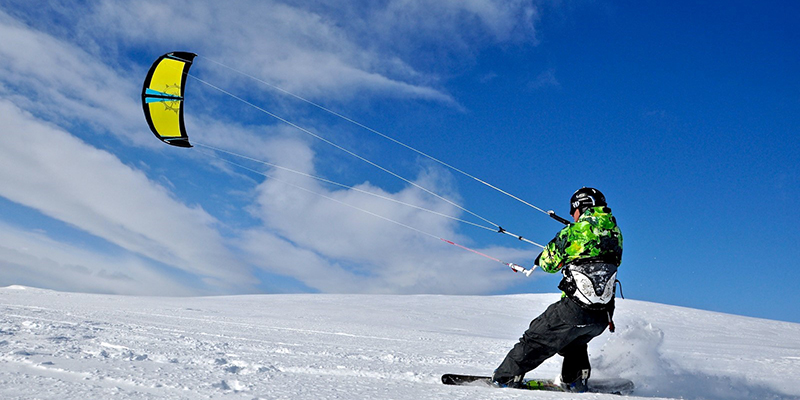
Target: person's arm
[[552, 258]]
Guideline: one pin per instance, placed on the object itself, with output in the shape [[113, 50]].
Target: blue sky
[[685, 115]]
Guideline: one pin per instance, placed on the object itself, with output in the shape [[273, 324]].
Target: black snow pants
[[565, 329]]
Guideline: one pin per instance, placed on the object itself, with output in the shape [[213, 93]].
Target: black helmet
[[584, 198]]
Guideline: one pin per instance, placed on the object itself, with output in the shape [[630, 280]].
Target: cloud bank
[[71, 124]]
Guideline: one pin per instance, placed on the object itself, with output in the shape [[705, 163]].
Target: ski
[[608, 386]]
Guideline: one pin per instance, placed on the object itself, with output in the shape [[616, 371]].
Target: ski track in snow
[[57, 345]]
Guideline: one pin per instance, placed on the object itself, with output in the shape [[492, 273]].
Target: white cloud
[[50, 170], [32, 258], [60, 80], [546, 79], [322, 49], [458, 22], [78, 72], [328, 241], [296, 48]]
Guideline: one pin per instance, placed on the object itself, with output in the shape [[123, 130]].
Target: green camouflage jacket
[[594, 236]]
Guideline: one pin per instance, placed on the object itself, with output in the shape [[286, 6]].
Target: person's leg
[[575, 368], [545, 336]]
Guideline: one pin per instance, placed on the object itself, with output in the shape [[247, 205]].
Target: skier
[[588, 254]]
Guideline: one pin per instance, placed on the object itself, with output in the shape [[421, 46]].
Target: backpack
[[590, 284]]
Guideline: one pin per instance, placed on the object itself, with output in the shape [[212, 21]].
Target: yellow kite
[[162, 97]]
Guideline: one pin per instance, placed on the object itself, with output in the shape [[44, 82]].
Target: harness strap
[[611, 326]]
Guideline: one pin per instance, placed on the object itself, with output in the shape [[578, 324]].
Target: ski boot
[[508, 381], [579, 385]]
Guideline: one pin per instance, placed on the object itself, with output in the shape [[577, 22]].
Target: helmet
[[584, 198]]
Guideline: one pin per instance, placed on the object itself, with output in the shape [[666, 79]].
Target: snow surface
[[57, 345]]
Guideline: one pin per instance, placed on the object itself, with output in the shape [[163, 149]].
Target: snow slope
[[78, 346]]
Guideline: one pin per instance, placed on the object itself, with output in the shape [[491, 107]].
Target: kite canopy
[[162, 97]]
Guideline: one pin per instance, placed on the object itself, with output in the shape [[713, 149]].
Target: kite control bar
[[553, 215]]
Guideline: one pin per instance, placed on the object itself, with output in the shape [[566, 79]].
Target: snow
[[57, 345]]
